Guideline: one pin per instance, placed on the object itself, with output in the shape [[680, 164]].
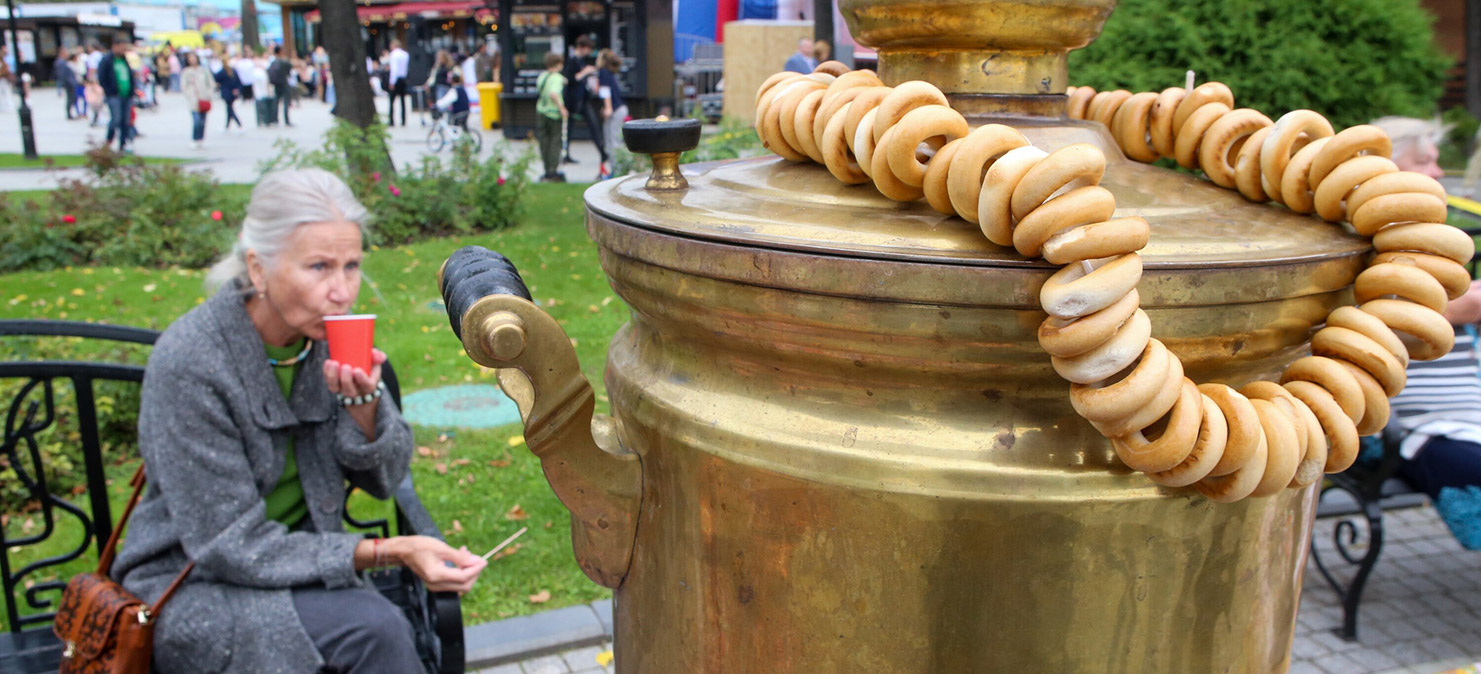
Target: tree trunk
[[340, 35], [249, 26]]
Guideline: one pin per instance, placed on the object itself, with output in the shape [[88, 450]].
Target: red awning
[[456, 9]]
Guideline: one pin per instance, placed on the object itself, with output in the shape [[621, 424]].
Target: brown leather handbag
[[106, 629]]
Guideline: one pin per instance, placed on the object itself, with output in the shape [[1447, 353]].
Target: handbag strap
[[105, 561]]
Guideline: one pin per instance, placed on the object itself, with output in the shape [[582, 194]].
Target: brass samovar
[[836, 445]]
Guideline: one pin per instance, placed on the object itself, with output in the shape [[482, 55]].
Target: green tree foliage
[[1351, 60]]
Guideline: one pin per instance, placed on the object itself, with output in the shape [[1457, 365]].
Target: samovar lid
[[768, 203]]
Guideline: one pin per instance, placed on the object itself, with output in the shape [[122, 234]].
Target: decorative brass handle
[[491, 311]]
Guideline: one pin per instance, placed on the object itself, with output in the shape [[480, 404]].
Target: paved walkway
[[232, 156]]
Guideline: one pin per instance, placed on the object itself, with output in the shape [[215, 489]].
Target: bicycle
[[454, 129]]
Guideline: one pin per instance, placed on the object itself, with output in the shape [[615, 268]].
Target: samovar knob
[[664, 141]]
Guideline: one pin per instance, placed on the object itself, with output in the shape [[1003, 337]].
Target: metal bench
[[30, 646]]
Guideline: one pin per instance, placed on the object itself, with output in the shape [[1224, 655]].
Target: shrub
[[434, 198], [1351, 60], [122, 212]]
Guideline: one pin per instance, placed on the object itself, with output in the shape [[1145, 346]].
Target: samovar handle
[[598, 481]]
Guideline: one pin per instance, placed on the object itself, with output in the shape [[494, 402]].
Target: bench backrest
[[29, 414]]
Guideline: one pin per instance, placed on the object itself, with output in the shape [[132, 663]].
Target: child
[[552, 113], [262, 93], [455, 102], [92, 92]]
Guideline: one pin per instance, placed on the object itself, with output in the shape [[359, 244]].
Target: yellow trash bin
[[488, 102]]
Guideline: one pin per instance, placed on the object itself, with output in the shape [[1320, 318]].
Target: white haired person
[[249, 434], [1439, 411]]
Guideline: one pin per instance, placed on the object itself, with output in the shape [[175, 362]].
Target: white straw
[[506, 543], [1189, 81]]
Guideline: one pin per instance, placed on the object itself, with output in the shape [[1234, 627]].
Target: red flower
[[376, 176], [69, 219], [501, 180], [394, 191], [215, 215]]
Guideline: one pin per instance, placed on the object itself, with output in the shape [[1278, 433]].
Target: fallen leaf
[[457, 527], [79, 490], [149, 287], [462, 462], [28, 524], [541, 597], [506, 552], [607, 300], [516, 441], [442, 437], [549, 524], [441, 468], [604, 658], [516, 513], [425, 451], [499, 463], [593, 308]]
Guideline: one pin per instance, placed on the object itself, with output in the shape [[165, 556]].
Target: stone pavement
[[579, 661], [232, 156], [1421, 611]]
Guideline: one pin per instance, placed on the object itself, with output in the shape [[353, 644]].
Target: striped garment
[[1442, 397]]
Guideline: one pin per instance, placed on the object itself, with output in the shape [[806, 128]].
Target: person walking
[[78, 63], [66, 79], [245, 68], [172, 63], [614, 107], [581, 88], [278, 76], [117, 80], [231, 88], [442, 68], [195, 82], [396, 78], [262, 95], [92, 92], [551, 112]]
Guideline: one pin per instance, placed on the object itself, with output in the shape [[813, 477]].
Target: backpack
[[277, 73]]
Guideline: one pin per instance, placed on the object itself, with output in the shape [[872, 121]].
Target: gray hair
[[281, 202], [1409, 133]]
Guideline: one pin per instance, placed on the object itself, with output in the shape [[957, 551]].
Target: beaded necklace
[[290, 362]]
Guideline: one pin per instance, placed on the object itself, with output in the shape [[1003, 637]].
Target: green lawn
[[17, 161], [462, 476]]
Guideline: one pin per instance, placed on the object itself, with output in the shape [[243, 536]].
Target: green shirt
[[548, 84], [121, 75], [286, 503]]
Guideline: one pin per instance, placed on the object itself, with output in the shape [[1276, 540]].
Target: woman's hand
[[349, 381], [439, 565]]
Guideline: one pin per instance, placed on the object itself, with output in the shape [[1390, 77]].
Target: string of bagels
[[1228, 444]]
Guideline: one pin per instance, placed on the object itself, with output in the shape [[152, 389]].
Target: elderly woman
[[249, 434]]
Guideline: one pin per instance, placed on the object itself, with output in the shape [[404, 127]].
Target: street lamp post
[[28, 133]]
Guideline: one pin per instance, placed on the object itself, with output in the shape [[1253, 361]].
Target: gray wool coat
[[213, 431]]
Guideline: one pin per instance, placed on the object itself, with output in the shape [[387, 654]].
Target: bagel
[[1097, 240], [1293, 131], [1346, 144], [884, 179], [932, 125], [1201, 96], [935, 182], [1283, 453], [1452, 276], [1103, 107], [1115, 355], [1191, 132], [1338, 428], [1155, 409], [1077, 100], [836, 153], [1079, 207], [969, 167], [1079, 164], [863, 144], [1164, 113], [773, 81], [833, 68], [1243, 481], [904, 98], [1295, 183], [1433, 334], [1331, 377], [1353, 347], [1071, 337], [1434, 238], [1175, 442], [802, 125], [833, 104], [1071, 292], [994, 210], [1227, 134], [1244, 428], [1394, 183], [1313, 462], [1334, 189], [1213, 437], [1130, 127], [1351, 318], [1120, 399], [1247, 177], [1375, 401], [1389, 209], [1404, 280], [864, 101]]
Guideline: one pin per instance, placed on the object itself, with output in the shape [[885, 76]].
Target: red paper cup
[[350, 339]]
